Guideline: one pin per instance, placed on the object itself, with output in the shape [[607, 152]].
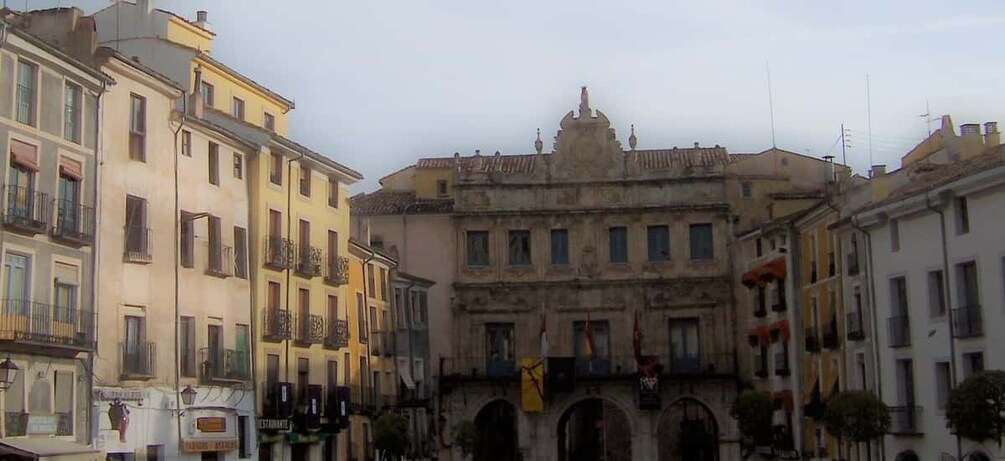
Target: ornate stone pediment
[[586, 147]]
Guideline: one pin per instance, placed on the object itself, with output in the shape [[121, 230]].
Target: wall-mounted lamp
[[8, 373], [188, 395]]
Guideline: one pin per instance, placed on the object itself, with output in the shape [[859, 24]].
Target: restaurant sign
[[273, 424], [196, 446]]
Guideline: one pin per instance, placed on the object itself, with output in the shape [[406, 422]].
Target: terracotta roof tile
[[656, 159], [661, 159], [937, 175], [384, 202]]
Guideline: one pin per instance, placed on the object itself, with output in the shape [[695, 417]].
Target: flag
[[532, 384], [544, 337], [637, 340], [591, 347]]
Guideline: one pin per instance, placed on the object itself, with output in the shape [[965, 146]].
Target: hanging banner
[[532, 384], [649, 382]]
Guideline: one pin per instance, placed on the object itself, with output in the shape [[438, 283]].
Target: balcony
[[782, 364], [310, 329], [905, 420], [37, 325], [27, 211], [700, 365], [855, 330], [478, 368], [221, 261], [224, 365], [760, 366], [137, 245], [967, 322], [414, 398], [337, 334], [139, 360], [277, 400], [852, 263], [382, 343], [812, 340], [15, 424], [831, 339], [336, 270], [899, 329], [276, 324], [74, 223], [308, 263], [279, 253]]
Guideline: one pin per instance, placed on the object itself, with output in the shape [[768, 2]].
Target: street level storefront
[[304, 428], [45, 449]]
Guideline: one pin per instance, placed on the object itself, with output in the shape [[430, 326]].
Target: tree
[[752, 410], [976, 409], [859, 416], [465, 435], [390, 435]]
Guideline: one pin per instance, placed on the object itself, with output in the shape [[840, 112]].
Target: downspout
[[366, 328], [289, 231], [176, 218], [949, 303], [94, 258], [870, 286]]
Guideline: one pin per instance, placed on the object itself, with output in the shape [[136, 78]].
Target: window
[[71, 112], [973, 362], [63, 387], [746, 189], [242, 344], [332, 307], [214, 163], [243, 450], [478, 248], [136, 227], [500, 355], [271, 370], [519, 248], [759, 248], [374, 324], [701, 241], [905, 382], [333, 192], [274, 296], [685, 348], [187, 345], [238, 166], [618, 244], [134, 360], [962, 216], [241, 252], [215, 244], [371, 282], [898, 296], [187, 240], [208, 93], [936, 294], [68, 211], [942, 383], [27, 94], [137, 128], [346, 375], [17, 282], [968, 290], [305, 180], [364, 335], [65, 309], [441, 188], [399, 308], [331, 372], [237, 108], [186, 143], [659, 243], [894, 235], [559, 246], [276, 168], [303, 378], [599, 361], [304, 312], [269, 121], [383, 284]]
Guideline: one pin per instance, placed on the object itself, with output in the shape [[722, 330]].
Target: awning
[[46, 448], [780, 329], [773, 270], [814, 373], [785, 397], [749, 279], [24, 154], [71, 168], [830, 383], [406, 377], [762, 332]]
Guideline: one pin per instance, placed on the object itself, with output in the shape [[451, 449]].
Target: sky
[[379, 84]]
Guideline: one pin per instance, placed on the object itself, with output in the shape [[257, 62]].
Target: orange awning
[[750, 278], [781, 328], [775, 269]]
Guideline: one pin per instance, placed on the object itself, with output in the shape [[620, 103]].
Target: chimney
[[878, 182], [195, 101], [992, 138], [202, 20], [971, 141], [829, 169]]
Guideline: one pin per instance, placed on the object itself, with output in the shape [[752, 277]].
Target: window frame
[[33, 101], [481, 238], [208, 92], [658, 243], [137, 127], [237, 108], [72, 114], [213, 161], [559, 247], [519, 248], [186, 143], [622, 244], [694, 230], [268, 121]]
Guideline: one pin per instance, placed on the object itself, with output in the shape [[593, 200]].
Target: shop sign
[[273, 424], [214, 424], [42, 424], [196, 446], [119, 394]]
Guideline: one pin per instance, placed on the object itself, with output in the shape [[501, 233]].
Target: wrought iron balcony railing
[[336, 270], [27, 210], [899, 329], [139, 360], [137, 245], [224, 365], [308, 262], [905, 420], [968, 322], [337, 334], [221, 261], [310, 329], [276, 324], [856, 327], [279, 252], [40, 324], [74, 222], [696, 365]]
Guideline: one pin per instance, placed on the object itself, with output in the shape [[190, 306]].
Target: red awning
[[24, 154], [750, 278], [71, 168], [780, 328], [764, 335], [773, 270]]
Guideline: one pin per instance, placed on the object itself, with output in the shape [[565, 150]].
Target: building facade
[[411, 326]]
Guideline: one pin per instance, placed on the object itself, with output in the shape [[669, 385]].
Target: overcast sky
[[379, 84]]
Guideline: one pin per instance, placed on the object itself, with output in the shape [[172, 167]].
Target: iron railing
[[967, 322], [221, 261], [64, 424], [362, 399], [899, 329], [27, 210], [812, 338], [855, 329], [337, 334], [308, 262], [781, 364], [137, 244], [74, 222], [336, 270], [701, 364], [310, 329], [478, 367], [276, 324], [905, 420], [26, 321], [139, 360], [224, 365], [26, 104], [279, 252]]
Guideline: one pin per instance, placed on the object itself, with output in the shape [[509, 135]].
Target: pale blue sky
[[381, 83]]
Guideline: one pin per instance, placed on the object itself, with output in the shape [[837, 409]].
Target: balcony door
[[600, 361], [499, 349], [133, 345], [215, 351], [685, 345], [241, 342], [20, 184], [69, 202], [17, 283]]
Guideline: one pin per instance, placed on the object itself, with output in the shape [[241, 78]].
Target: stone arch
[[594, 428], [496, 421], [626, 408], [688, 430]]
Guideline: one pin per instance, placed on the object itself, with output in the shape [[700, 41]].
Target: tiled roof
[[941, 174], [523, 163], [660, 159], [656, 159], [384, 202]]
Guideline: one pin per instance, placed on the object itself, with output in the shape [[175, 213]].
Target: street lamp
[[188, 395], [8, 372]]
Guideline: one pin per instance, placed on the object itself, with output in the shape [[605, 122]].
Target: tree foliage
[[752, 410], [858, 416], [390, 435], [976, 409], [465, 435]]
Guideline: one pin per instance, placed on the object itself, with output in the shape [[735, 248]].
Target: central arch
[[688, 432], [594, 429], [497, 441]]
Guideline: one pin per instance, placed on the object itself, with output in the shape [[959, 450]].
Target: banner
[[532, 384]]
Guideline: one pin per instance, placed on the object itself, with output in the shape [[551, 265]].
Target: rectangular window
[[243, 449], [331, 372], [478, 248], [968, 291], [187, 240], [303, 378], [276, 168], [238, 166], [373, 320], [500, 355], [134, 359], [240, 252], [599, 361], [685, 344], [364, 335], [371, 282], [894, 234], [269, 121], [759, 248], [215, 244], [271, 369], [208, 93], [214, 163], [27, 92], [559, 246], [304, 314], [898, 296], [71, 112], [65, 298], [332, 307], [237, 108], [746, 189], [618, 244], [658, 243], [973, 362], [701, 241], [186, 143], [383, 284], [274, 297], [333, 192], [137, 128], [441, 188], [187, 345], [942, 383], [905, 382], [242, 346], [936, 294], [346, 371], [305, 180], [519, 248], [962, 216], [63, 385], [136, 226]]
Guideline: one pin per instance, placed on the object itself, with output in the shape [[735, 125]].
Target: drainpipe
[[366, 327], [948, 300], [176, 218], [870, 286], [289, 231], [94, 256]]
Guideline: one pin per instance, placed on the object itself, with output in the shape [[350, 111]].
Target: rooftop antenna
[[928, 119], [771, 105], [868, 109]]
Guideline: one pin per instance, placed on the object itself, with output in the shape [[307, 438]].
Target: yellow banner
[[532, 384]]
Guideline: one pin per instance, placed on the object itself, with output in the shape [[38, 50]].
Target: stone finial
[[584, 103], [632, 140], [538, 144]]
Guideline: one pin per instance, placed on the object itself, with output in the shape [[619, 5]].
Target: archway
[[688, 432], [908, 455], [496, 423], [594, 430]]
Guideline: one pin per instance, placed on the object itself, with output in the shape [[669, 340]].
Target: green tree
[[465, 435], [752, 410], [390, 435], [976, 409], [859, 416]]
